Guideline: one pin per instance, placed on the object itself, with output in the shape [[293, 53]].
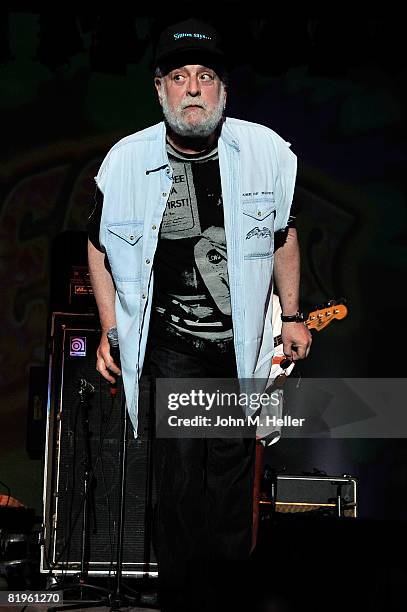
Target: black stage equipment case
[[70, 415]]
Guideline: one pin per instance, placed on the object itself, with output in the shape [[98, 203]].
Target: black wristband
[[297, 318]]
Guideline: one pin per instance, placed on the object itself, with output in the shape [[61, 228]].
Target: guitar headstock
[[325, 314]]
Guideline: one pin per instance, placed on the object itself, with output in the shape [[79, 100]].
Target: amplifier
[[74, 340], [81, 296], [314, 495]]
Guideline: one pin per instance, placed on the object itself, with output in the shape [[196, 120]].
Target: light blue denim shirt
[[258, 171]]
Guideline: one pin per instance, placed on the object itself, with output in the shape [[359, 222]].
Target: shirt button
[[258, 213], [131, 237], [154, 227], [164, 194], [144, 296], [147, 261]]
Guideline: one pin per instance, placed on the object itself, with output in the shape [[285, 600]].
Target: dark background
[[74, 82]]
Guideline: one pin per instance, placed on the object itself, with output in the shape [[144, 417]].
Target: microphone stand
[[85, 391], [118, 598]]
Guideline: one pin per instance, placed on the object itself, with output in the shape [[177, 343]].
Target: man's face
[[193, 99]]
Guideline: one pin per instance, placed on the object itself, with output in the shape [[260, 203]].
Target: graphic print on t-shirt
[[191, 285], [211, 261], [181, 218]]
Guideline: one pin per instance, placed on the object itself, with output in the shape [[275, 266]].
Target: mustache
[[187, 103]]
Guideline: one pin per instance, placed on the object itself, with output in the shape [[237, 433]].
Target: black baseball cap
[[191, 41]]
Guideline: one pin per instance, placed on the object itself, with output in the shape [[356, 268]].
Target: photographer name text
[[229, 421]]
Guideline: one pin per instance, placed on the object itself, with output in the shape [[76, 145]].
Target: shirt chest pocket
[[124, 250], [258, 228]]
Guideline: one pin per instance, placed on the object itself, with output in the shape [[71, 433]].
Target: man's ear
[[158, 85]]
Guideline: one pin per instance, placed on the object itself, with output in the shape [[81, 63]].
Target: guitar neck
[[319, 319]]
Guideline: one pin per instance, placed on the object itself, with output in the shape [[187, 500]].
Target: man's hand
[[297, 340], [104, 361]]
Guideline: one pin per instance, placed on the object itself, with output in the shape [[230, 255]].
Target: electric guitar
[[282, 366], [317, 319]]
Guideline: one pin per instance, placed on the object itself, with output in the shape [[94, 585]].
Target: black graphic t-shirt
[[191, 302]]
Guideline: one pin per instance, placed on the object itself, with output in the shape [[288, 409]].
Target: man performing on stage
[[181, 257]]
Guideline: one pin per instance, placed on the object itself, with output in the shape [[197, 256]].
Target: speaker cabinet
[[74, 340], [314, 495]]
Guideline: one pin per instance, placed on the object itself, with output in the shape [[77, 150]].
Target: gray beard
[[182, 128]]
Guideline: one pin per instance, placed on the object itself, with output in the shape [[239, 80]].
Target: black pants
[[203, 515]]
